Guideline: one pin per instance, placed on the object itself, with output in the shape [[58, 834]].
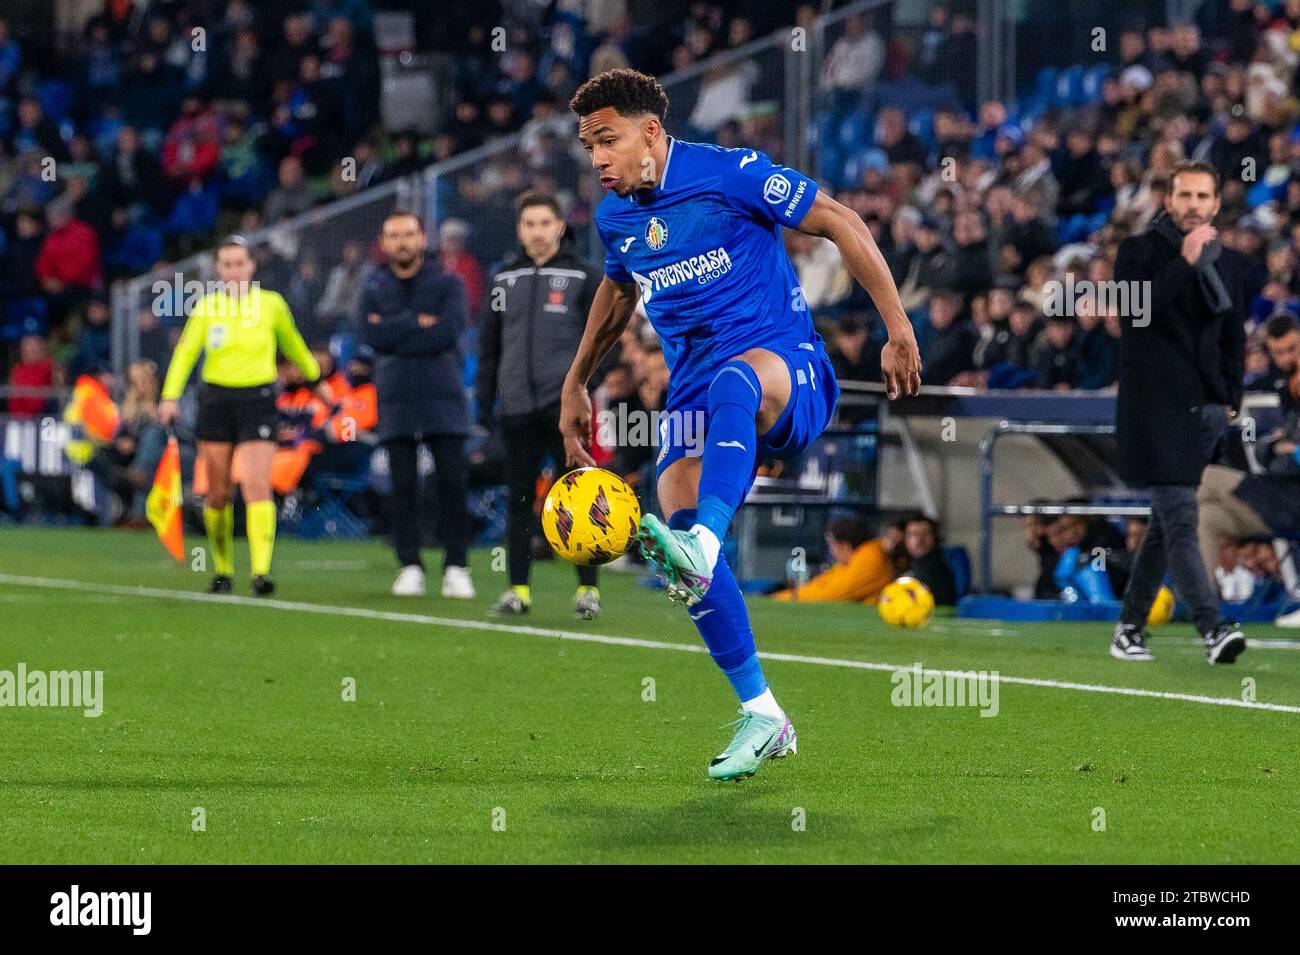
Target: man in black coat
[[536, 312], [1182, 358], [412, 317]]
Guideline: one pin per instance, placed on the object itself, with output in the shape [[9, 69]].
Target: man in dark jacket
[[412, 316], [950, 345], [925, 560], [1282, 338], [536, 311], [1182, 358]]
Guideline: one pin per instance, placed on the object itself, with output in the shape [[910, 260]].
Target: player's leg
[[1224, 641], [723, 622], [1221, 513], [524, 442], [450, 473], [404, 514], [1130, 637], [586, 600], [748, 397], [219, 512], [259, 510]]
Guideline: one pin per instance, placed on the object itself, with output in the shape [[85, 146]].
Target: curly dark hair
[[630, 94]]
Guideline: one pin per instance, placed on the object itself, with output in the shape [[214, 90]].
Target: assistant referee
[[238, 329]]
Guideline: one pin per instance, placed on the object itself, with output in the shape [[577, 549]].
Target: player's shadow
[[730, 817]]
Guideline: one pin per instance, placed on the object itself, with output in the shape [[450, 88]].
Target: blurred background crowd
[[154, 126]]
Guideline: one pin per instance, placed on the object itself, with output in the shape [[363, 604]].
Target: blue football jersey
[[704, 248]]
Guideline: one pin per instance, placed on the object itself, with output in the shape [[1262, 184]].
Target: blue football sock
[[731, 446], [723, 622]]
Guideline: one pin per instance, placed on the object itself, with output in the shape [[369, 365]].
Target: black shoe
[[263, 585], [221, 584], [1224, 643], [1130, 643]]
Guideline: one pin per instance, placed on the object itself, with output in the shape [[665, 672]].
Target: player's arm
[[184, 358], [611, 309], [900, 359], [291, 342]]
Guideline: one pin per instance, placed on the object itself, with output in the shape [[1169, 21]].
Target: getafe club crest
[[656, 233]]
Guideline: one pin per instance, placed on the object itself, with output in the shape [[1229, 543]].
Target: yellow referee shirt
[[238, 337]]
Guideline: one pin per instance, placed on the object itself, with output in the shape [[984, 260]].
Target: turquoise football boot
[[758, 738], [679, 554]]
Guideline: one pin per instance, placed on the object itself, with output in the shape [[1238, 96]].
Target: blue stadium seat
[[1092, 81], [332, 517], [921, 125], [958, 561], [194, 211], [10, 468], [55, 97], [1069, 86], [25, 316], [854, 131], [1045, 84]]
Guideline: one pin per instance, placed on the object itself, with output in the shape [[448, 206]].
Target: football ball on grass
[[590, 516], [906, 602]]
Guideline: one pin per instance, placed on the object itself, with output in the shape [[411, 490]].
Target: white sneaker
[[1291, 619], [456, 583], [409, 582]]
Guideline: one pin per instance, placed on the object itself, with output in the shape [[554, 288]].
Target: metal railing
[[768, 88], [989, 510], [149, 309]]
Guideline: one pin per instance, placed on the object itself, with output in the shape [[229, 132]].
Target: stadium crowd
[[981, 209], [159, 147]]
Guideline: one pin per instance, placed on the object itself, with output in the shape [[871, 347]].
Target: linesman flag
[[163, 506]]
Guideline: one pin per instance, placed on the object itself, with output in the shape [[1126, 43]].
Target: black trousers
[[450, 477], [1171, 543], [528, 438]]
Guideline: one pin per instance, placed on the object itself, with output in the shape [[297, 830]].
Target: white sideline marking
[[586, 637]]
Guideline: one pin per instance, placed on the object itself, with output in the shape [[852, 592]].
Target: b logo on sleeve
[[777, 189]]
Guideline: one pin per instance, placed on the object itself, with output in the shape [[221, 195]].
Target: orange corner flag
[[163, 506]]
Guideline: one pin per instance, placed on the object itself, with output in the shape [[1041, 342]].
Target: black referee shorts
[[235, 415]]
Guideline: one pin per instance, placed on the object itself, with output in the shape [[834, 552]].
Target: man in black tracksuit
[[412, 317], [536, 311], [1180, 380]]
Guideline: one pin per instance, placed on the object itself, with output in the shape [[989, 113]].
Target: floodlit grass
[[483, 744]]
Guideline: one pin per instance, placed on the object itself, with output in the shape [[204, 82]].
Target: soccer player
[[237, 328], [694, 231]]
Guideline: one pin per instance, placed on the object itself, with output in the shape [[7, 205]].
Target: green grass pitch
[[480, 744]]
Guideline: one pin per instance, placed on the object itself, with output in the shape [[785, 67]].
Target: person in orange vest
[[356, 402], [348, 435], [303, 417], [863, 565]]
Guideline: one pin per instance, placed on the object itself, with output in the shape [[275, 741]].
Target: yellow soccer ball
[[590, 516], [906, 602], [1162, 608]]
